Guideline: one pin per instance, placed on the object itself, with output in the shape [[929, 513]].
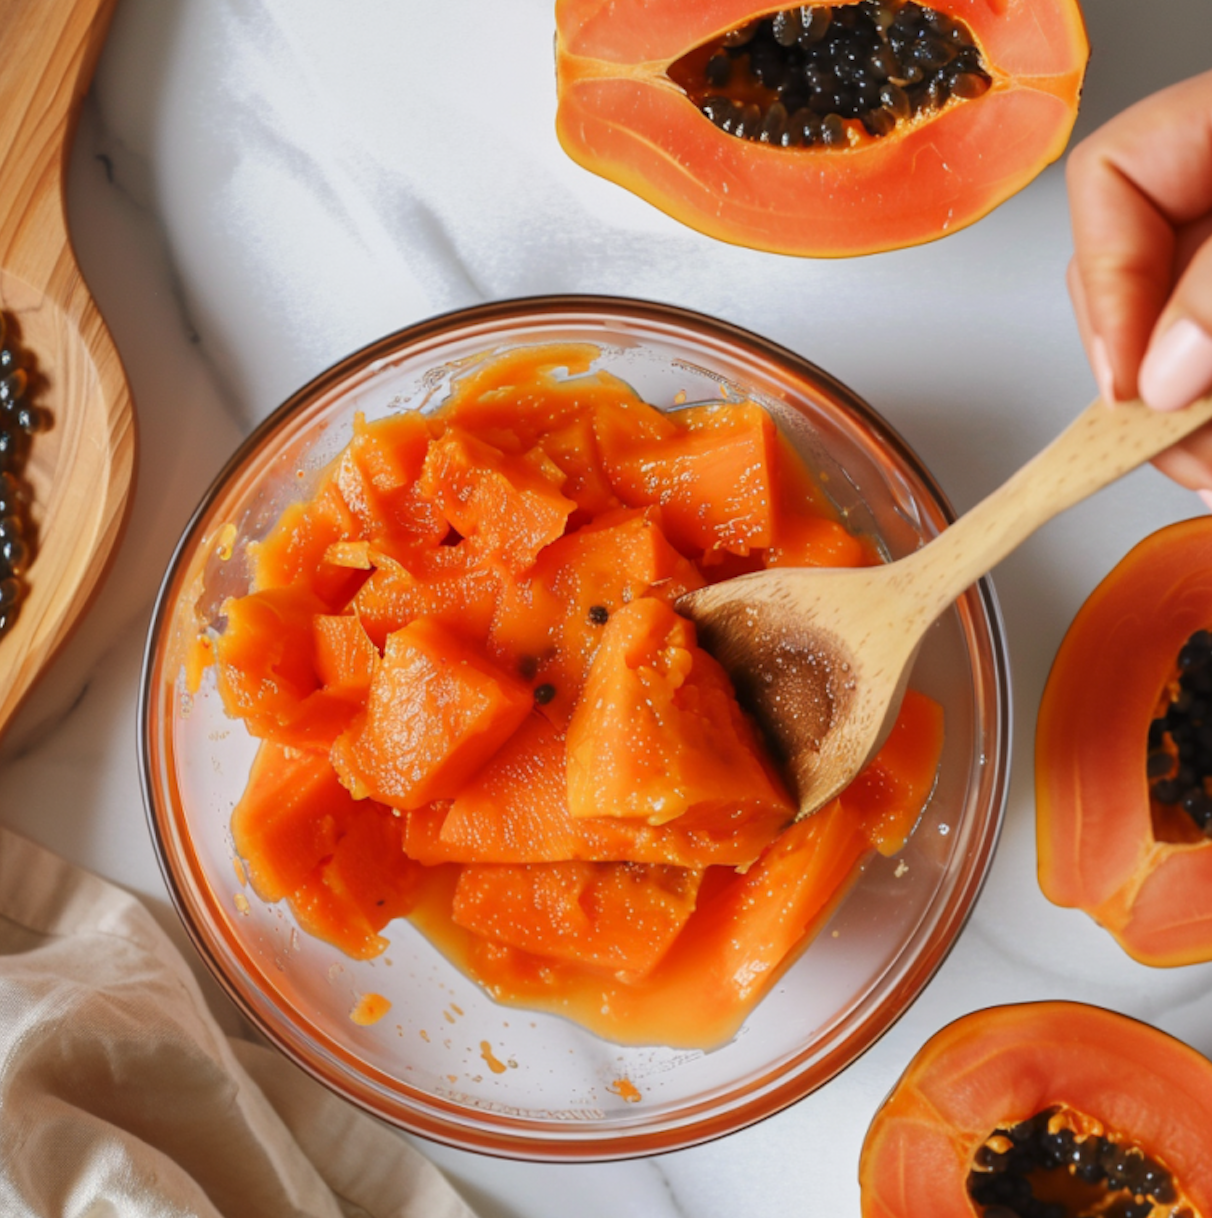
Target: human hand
[[1140, 200]]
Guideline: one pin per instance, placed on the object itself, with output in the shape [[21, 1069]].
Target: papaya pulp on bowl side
[[1104, 846], [623, 116], [479, 709], [1101, 1075]]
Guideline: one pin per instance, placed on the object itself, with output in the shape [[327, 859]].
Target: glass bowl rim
[[764, 1095]]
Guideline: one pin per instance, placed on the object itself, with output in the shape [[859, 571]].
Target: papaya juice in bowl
[[295, 842]]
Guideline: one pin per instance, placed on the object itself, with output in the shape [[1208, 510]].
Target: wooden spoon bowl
[[822, 657], [80, 470]]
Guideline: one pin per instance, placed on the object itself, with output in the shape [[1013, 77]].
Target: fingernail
[[1206, 496], [1177, 367], [1100, 363]]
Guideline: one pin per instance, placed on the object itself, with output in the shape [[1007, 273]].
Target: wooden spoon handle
[[50, 49], [1099, 446]]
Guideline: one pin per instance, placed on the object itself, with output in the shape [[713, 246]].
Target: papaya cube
[[658, 731], [377, 477], [265, 657], [552, 619], [345, 657], [369, 872], [510, 505], [618, 917], [712, 475], [446, 584], [289, 818], [436, 711], [891, 791], [295, 550]]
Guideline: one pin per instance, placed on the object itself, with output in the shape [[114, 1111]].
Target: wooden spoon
[[822, 656], [81, 469]]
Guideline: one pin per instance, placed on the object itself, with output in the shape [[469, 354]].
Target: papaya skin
[[994, 1068], [621, 117], [1095, 837]]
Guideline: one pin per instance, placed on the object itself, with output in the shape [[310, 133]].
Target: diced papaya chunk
[[549, 624], [513, 398], [511, 506], [447, 586], [747, 929], [619, 917], [377, 476], [516, 811], [573, 446], [713, 478], [265, 656], [345, 657], [368, 870], [436, 711], [294, 550], [658, 730], [289, 818], [888, 796]]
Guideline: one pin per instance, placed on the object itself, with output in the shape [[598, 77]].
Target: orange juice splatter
[[425, 1036], [242, 903], [625, 1089], [497, 1067], [238, 867], [223, 547], [454, 1078], [369, 1008]]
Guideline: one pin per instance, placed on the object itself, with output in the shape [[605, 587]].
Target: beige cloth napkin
[[121, 1098]]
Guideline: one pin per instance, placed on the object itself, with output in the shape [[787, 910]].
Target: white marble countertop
[[258, 187]]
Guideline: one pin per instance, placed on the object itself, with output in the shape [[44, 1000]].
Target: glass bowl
[[447, 1062]]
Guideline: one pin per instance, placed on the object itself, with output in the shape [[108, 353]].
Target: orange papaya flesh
[[436, 711], [345, 656], [405, 683], [294, 551], [713, 478], [265, 656], [377, 476], [288, 818], [518, 399], [338, 862], [618, 917], [511, 506], [632, 76], [896, 783], [1103, 844], [745, 931], [448, 586], [658, 730], [548, 625], [516, 811], [1035, 1069]]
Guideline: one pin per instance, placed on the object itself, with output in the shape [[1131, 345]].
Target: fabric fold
[[119, 1094]]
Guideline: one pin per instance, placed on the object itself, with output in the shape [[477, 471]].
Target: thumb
[[1177, 367]]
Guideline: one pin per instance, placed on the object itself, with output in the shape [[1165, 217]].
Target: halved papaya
[[1139, 866], [1040, 1108], [773, 126]]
